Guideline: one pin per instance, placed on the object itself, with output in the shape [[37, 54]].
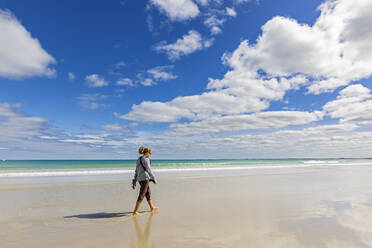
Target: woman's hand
[[155, 181]]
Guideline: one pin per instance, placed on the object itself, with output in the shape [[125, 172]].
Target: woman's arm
[[136, 172]]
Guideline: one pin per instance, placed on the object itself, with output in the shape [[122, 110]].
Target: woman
[[144, 175]]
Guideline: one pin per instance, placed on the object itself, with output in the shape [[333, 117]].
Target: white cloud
[[355, 92], [31, 137], [17, 126], [334, 51], [94, 81], [230, 12], [71, 76], [189, 43], [85, 139], [240, 91], [116, 128], [155, 112], [7, 110], [322, 129], [148, 82], [125, 81], [247, 95], [214, 23], [326, 85], [262, 120], [177, 10], [335, 140], [21, 55], [353, 105], [340, 140], [217, 17], [160, 73], [242, 1], [113, 127], [90, 101], [216, 30], [150, 77]]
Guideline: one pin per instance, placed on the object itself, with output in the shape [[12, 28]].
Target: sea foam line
[[157, 170]]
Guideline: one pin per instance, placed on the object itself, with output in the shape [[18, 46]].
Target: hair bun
[[141, 150], [144, 150]]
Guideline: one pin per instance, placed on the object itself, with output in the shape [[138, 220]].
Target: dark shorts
[[144, 191]]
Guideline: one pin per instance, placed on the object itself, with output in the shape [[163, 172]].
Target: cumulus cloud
[[177, 10], [162, 73], [21, 55], [333, 52], [214, 23], [215, 19], [231, 12], [246, 94], [155, 112], [125, 81], [147, 82], [262, 120], [150, 77], [189, 43], [353, 104], [94, 81]]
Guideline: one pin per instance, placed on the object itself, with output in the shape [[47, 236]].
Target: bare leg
[[135, 211], [151, 205]]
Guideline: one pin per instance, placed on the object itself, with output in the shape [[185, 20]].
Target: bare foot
[[135, 213], [154, 208]]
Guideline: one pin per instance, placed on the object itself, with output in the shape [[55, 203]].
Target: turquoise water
[[60, 164], [125, 168], [71, 164]]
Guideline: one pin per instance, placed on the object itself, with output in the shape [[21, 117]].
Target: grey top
[[141, 174]]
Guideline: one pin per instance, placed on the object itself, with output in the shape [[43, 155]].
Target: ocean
[[45, 168]]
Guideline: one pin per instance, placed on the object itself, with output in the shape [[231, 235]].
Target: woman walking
[[144, 175]]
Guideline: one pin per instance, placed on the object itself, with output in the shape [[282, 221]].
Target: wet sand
[[330, 207]]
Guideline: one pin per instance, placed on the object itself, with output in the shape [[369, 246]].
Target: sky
[[191, 79]]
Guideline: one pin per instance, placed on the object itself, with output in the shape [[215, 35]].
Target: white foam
[[94, 172], [63, 173], [321, 162], [127, 171]]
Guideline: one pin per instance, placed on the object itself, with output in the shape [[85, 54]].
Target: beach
[[312, 206]]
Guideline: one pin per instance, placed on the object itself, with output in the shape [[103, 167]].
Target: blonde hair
[[144, 150]]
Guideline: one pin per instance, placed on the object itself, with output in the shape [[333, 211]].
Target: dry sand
[[297, 208]]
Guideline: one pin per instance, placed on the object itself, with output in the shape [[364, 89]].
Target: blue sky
[[188, 78]]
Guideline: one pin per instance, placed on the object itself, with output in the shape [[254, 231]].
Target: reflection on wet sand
[[346, 223], [358, 218], [142, 236]]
